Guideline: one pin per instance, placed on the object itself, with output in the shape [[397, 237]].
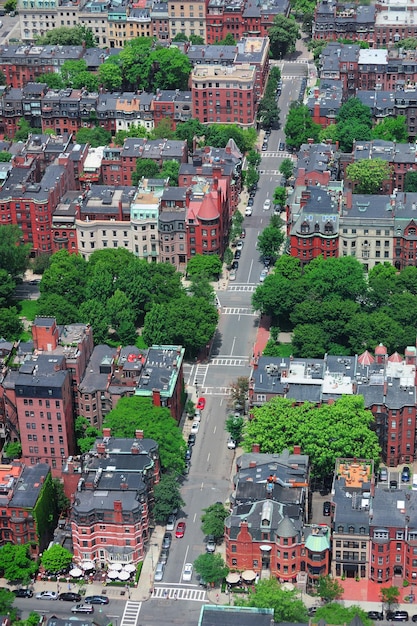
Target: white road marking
[[131, 613], [179, 593]]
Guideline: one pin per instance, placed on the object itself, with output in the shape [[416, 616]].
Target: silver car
[[159, 572]]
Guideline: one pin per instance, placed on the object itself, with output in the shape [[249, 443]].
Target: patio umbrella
[[232, 578], [87, 565], [123, 575], [248, 575], [130, 568], [76, 572], [112, 574], [115, 567]]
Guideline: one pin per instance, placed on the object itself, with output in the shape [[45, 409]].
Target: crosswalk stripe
[[249, 288], [179, 593], [230, 362], [216, 391], [228, 310], [131, 613], [200, 374]]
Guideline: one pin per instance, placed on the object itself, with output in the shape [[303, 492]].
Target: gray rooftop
[[29, 485]]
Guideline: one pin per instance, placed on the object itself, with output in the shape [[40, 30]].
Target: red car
[[201, 404], [179, 533]]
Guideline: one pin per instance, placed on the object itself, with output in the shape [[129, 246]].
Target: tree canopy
[[211, 567], [283, 34], [354, 122], [64, 36], [212, 520], [56, 558], [167, 497], [327, 432], [299, 126], [368, 175], [335, 613], [16, 564], [156, 422], [204, 266], [269, 594]]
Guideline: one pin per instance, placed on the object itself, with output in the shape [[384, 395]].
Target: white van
[[414, 484]]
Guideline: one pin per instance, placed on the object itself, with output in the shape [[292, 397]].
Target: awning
[[265, 548], [115, 567], [232, 578], [130, 568], [248, 575], [76, 572]]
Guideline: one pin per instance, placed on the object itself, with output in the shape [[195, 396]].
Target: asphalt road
[[209, 480], [10, 28], [114, 609]]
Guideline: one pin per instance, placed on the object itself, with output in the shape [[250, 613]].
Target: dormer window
[[305, 228]]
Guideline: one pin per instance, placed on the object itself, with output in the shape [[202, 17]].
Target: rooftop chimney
[[139, 434], [297, 449], [101, 448], [106, 432], [256, 448]]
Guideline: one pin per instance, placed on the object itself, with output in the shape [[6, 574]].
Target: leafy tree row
[[114, 290], [331, 307], [14, 259], [268, 111]]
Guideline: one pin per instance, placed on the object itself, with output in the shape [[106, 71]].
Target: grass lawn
[[285, 349], [28, 309]]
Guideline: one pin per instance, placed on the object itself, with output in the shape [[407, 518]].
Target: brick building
[[267, 531], [113, 528]]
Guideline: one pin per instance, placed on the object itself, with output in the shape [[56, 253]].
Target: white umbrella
[[123, 575], [112, 574], [76, 572], [130, 568], [248, 575], [115, 567], [232, 578], [87, 565]]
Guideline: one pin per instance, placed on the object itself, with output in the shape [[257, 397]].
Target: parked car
[[23, 593], [237, 255], [188, 454], [393, 484], [179, 533], [96, 600], [167, 540], [267, 204], [159, 572], [195, 427], [239, 245], [235, 265], [201, 404], [47, 595], [210, 544], [197, 415], [406, 474], [187, 572], [375, 615], [82, 608], [187, 468], [171, 522], [163, 557], [232, 275], [263, 275], [248, 211], [327, 508], [281, 147], [190, 441], [243, 233], [70, 597], [383, 474], [231, 443], [251, 201], [397, 616], [414, 618]]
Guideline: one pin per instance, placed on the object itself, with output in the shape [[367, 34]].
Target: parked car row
[[391, 616]]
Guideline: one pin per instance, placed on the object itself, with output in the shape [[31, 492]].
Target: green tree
[[408, 43], [170, 169], [390, 596], [52, 79], [85, 434], [110, 74], [368, 174], [145, 168], [13, 254], [6, 601], [54, 305], [229, 40], [354, 122], [190, 408], [136, 130], [180, 37], [228, 257], [309, 340], [136, 62], [171, 69], [212, 520], [5, 157], [7, 287], [410, 182], [167, 497], [343, 429], [268, 111], [234, 426], [286, 168], [353, 109], [94, 312], [10, 5], [56, 558], [61, 500], [204, 266], [11, 326], [85, 80], [270, 241], [299, 126], [13, 450], [164, 130], [70, 69], [329, 588], [24, 130], [335, 613], [40, 263], [392, 129], [65, 36], [330, 132], [156, 422], [65, 276], [196, 40], [188, 130], [252, 177], [211, 568], [283, 34], [94, 136], [33, 619], [253, 158], [280, 196], [268, 594], [16, 564]]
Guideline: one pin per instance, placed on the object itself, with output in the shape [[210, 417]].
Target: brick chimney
[[139, 434], [106, 432], [297, 449], [101, 448], [134, 449], [156, 397], [252, 464], [256, 447]]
